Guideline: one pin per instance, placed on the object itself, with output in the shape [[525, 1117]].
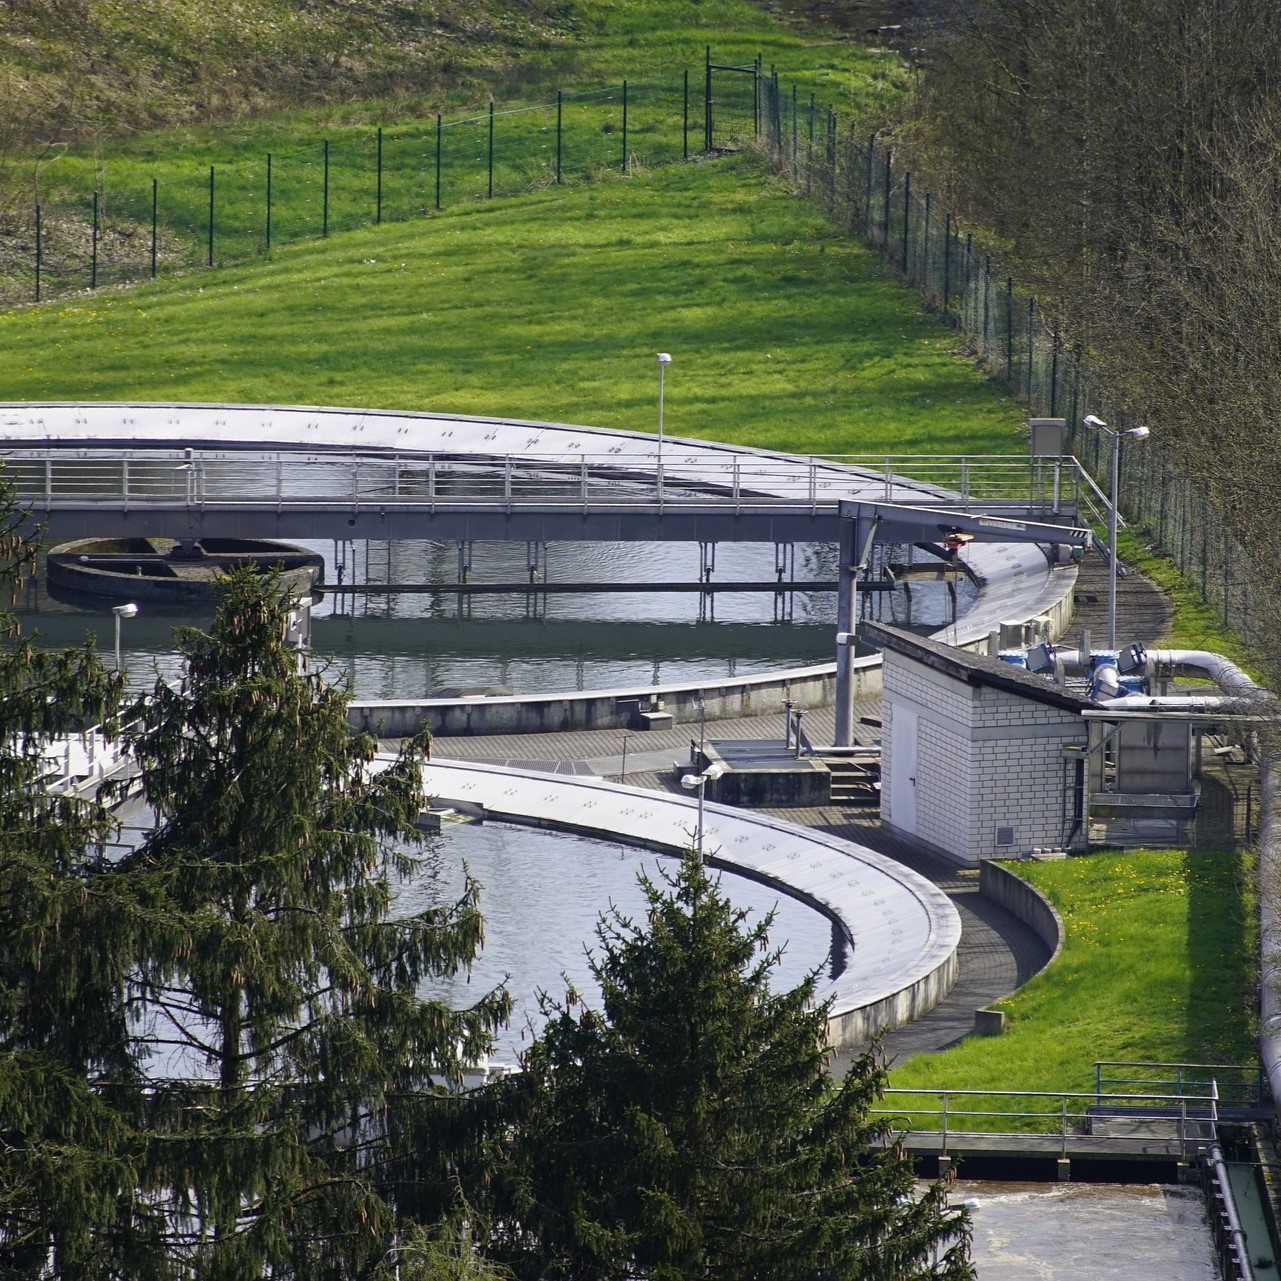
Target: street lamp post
[[663, 361], [121, 612], [1135, 433], [692, 782]]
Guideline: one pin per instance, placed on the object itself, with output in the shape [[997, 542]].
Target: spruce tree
[[68, 1114], [276, 982], [690, 1129]]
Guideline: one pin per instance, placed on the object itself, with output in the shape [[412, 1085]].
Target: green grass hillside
[[784, 332], [89, 71]]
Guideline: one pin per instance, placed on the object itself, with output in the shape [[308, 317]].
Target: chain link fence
[[858, 182], [111, 222]]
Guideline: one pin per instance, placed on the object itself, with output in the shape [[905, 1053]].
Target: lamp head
[[1138, 433], [1093, 420], [714, 770], [690, 781], [664, 358], [125, 611]]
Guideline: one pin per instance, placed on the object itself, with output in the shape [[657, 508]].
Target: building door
[[903, 769]]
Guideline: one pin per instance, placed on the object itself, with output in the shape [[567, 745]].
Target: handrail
[[456, 477], [1058, 1120], [1246, 1074]]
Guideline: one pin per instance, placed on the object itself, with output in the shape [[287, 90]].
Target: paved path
[[1143, 611]]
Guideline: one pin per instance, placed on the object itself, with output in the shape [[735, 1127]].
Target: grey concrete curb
[[1024, 901], [905, 931]]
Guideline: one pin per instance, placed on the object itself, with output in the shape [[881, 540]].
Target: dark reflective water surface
[[542, 894], [410, 646]]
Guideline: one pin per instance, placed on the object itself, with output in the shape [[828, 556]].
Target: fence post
[[1009, 330], [885, 215], [947, 264], [324, 203], [269, 202], [378, 198], [809, 149], [439, 130], [867, 199], [685, 121], [756, 96], [925, 245], [1031, 339], [560, 132], [1054, 372], [491, 150], [155, 203], [795, 149], [707, 99], [987, 306], [907, 216], [93, 258], [624, 126], [39, 251], [776, 114], [211, 215]]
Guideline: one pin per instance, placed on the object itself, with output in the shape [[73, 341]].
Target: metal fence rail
[[1233, 1084], [51, 477], [1056, 1122]]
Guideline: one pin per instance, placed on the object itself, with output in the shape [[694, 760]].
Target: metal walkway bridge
[[254, 471], [248, 471]]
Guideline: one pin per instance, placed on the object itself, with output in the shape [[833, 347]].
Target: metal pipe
[[1147, 702], [1235, 1232], [1270, 924], [1222, 671]]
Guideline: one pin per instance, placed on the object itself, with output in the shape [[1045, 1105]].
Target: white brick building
[[972, 752]]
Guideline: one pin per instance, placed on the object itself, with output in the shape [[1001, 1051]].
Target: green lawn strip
[[784, 332], [1158, 965]]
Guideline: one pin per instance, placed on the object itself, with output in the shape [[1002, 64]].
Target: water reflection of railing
[[46, 477]]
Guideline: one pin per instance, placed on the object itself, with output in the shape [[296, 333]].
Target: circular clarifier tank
[[508, 634], [542, 895]]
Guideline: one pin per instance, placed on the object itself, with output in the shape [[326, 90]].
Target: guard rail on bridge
[[66, 478], [1054, 1124]]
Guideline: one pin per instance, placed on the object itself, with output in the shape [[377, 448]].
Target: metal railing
[[1036, 1116], [1233, 1084], [47, 477], [79, 764]]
